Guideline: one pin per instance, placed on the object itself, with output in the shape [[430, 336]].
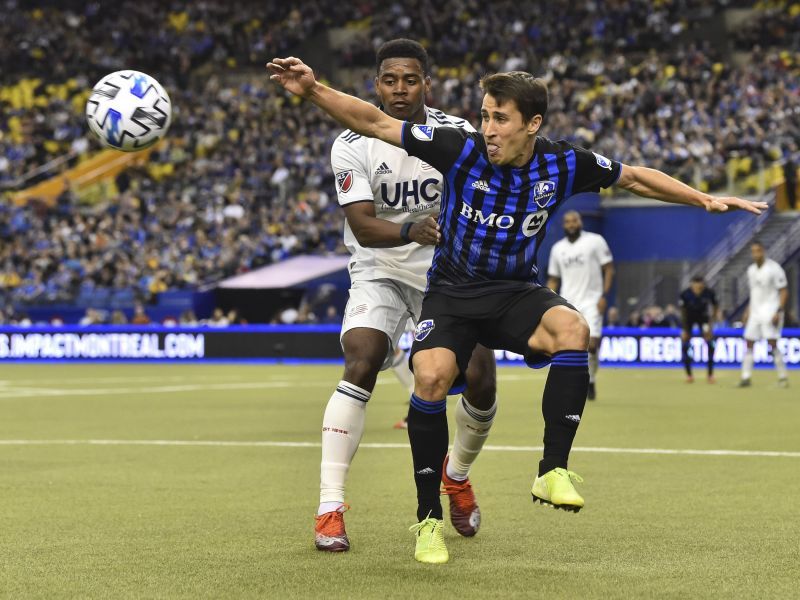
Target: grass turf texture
[[236, 521]]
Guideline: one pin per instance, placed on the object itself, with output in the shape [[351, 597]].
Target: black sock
[[428, 435], [711, 347], [562, 406], [687, 357]]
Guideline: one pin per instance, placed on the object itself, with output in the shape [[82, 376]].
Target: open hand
[[725, 203], [294, 75]]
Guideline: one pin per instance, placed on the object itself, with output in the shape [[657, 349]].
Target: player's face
[[402, 86], [757, 252], [509, 140], [572, 224], [697, 287]]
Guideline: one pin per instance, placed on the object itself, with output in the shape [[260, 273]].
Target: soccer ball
[[128, 110]]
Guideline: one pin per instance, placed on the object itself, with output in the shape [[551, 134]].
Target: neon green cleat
[[430, 541], [555, 488]]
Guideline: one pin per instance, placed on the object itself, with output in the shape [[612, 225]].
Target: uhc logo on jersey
[[344, 179], [424, 133], [423, 329], [543, 191], [602, 161]]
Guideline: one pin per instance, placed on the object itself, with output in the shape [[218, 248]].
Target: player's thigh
[[442, 325], [516, 323], [770, 330], [753, 330], [379, 306]]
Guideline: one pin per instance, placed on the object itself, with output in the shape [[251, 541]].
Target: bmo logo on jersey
[[530, 226], [408, 193]]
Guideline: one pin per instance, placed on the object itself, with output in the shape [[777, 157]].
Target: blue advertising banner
[[620, 347]]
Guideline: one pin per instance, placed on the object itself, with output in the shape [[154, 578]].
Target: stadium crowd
[[243, 179]]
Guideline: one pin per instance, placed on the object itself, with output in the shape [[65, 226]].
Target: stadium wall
[[620, 347]]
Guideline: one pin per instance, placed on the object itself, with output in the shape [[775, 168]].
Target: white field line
[[381, 446], [15, 391]]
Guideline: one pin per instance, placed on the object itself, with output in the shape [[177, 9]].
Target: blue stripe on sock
[[570, 358], [429, 408]]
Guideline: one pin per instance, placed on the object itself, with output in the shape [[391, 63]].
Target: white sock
[[342, 427], [747, 364], [403, 373], [780, 365], [472, 429], [593, 362]]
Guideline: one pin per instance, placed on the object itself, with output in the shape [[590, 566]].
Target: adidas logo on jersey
[[383, 169], [481, 185]]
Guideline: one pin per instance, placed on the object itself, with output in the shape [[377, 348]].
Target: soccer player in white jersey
[[390, 201], [764, 315], [581, 269]]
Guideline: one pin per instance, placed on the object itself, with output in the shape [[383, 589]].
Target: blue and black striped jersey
[[493, 218]]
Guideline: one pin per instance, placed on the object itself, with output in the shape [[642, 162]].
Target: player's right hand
[[425, 232], [294, 75]]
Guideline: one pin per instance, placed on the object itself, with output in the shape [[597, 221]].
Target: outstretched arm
[[355, 114], [651, 183]]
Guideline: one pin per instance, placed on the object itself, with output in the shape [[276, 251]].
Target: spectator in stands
[[612, 317], [635, 319], [188, 318], [118, 318], [139, 315], [218, 319]]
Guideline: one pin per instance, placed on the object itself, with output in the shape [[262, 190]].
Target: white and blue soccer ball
[[128, 110]]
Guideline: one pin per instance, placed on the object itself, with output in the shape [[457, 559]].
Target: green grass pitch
[[119, 519]]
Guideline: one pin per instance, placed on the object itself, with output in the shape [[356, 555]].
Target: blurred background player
[[390, 200], [764, 315], [581, 269], [698, 307]]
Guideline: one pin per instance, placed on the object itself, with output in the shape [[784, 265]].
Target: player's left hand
[[725, 203], [776, 318], [602, 304], [294, 75]]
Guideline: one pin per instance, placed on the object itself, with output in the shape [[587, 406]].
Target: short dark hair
[[529, 93], [698, 279], [402, 48], [756, 243]]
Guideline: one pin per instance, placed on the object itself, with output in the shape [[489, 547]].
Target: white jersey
[[579, 266], [765, 282], [403, 188]]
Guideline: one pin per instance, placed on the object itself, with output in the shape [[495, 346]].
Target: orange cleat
[[329, 533], [711, 379], [401, 424], [464, 512], [690, 379]]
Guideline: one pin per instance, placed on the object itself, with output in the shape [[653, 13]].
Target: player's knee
[[573, 333], [431, 383]]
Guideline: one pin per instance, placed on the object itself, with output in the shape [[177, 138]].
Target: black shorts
[[502, 320], [700, 320]]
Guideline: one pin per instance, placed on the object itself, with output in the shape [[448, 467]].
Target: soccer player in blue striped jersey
[[500, 188]]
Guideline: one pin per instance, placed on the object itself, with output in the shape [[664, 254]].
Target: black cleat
[[591, 394], [743, 383]]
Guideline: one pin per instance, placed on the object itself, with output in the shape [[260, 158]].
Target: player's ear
[[534, 124], [427, 84]]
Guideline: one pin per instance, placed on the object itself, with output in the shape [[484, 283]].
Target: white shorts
[[593, 318], [384, 305], [760, 327]]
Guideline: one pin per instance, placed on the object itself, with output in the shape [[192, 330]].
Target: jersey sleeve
[[603, 251], [553, 266], [593, 171], [350, 172], [780, 277], [440, 147], [682, 299]]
